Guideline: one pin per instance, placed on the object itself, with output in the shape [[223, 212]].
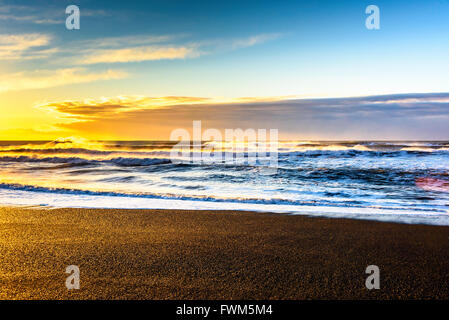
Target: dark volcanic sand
[[158, 254]]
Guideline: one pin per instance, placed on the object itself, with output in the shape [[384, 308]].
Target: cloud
[[39, 14], [40, 79], [137, 54], [20, 46], [107, 50], [255, 40], [33, 19], [137, 48], [27, 14], [116, 49], [16, 18], [125, 41], [48, 21], [374, 117], [98, 108]]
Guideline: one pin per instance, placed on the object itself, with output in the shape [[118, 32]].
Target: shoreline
[[415, 218], [190, 254]]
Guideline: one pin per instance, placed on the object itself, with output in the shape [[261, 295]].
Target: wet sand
[[169, 254]]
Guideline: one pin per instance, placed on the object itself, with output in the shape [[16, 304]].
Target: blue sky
[[221, 50]]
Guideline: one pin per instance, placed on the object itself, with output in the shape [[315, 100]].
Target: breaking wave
[[393, 180]]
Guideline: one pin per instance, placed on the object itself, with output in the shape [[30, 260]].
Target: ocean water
[[401, 181]]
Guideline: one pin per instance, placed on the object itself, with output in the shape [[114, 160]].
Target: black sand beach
[[168, 254]]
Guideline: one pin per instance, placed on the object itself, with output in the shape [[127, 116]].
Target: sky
[[138, 70]]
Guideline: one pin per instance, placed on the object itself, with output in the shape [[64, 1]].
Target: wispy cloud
[[124, 49], [40, 79], [107, 106], [41, 14], [255, 40], [126, 41], [71, 68], [48, 21], [138, 54], [150, 48], [28, 14], [20, 46], [33, 19]]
